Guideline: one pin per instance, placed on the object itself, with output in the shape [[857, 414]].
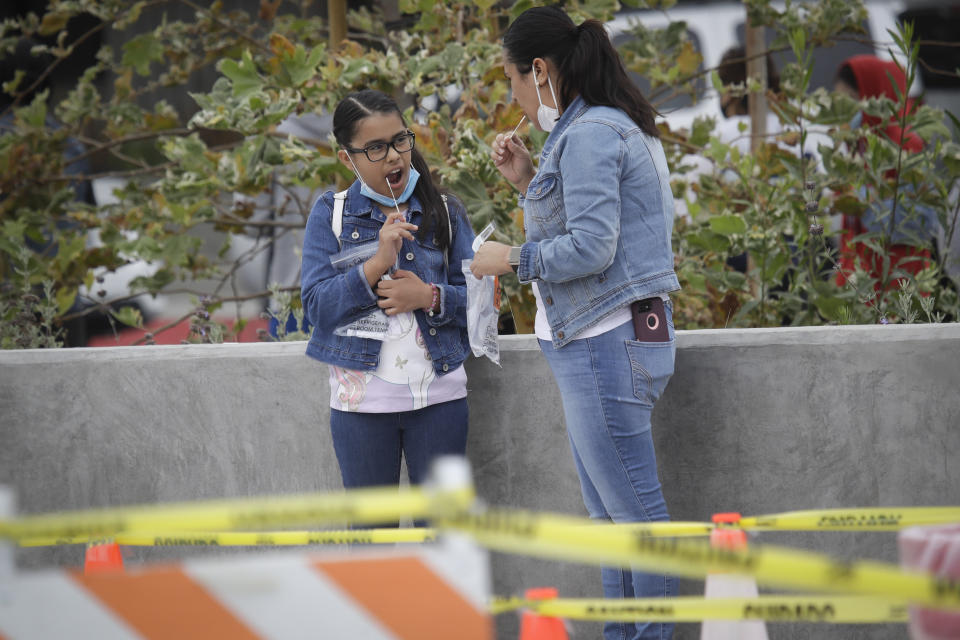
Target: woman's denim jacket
[[598, 217], [332, 297]]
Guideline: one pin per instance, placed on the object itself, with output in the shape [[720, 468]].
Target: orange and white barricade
[[436, 591]]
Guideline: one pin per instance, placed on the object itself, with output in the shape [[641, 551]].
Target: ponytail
[[588, 64]]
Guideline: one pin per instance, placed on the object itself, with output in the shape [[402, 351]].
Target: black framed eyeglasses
[[377, 151]]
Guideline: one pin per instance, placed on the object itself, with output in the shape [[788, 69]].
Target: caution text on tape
[[247, 538], [356, 506], [562, 537], [836, 609], [859, 519]]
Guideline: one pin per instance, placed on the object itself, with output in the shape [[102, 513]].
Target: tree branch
[[239, 222], [227, 26], [146, 135], [53, 65]]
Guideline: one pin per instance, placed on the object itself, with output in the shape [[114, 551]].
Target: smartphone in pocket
[[650, 320]]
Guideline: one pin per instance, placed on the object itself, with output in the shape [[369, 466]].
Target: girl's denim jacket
[[598, 217], [332, 297]]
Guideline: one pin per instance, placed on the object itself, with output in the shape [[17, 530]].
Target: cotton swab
[[396, 265], [514, 132]]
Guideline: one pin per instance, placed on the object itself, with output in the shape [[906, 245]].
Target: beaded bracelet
[[435, 301]]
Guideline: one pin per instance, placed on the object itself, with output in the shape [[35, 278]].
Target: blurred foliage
[[28, 312], [182, 172], [773, 204]]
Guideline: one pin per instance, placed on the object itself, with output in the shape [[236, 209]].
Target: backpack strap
[[446, 254], [336, 223]]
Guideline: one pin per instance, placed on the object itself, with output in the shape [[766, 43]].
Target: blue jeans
[[609, 384], [369, 445]]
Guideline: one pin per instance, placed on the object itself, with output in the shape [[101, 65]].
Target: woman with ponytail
[[598, 216], [383, 288]]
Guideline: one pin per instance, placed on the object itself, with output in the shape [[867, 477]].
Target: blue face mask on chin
[[387, 201]]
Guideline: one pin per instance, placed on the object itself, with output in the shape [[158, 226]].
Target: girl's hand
[[405, 291], [492, 259], [513, 161], [392, 234]]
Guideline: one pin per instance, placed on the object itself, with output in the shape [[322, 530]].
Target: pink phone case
[[650, 320]]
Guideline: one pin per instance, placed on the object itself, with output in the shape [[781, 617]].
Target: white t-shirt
[[404, 379], [541, 327]]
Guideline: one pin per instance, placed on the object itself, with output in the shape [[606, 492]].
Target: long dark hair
[[348, 114], [587, 61]]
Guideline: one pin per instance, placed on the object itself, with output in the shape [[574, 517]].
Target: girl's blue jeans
[[609, 384], [369, 446]]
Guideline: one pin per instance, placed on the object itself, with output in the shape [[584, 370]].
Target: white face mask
[[546, 116]]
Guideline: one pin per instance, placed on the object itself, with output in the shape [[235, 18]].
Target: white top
[[541, 327], [404, 380]]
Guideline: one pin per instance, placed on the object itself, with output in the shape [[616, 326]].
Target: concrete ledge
[[780, 336], [756, 421]]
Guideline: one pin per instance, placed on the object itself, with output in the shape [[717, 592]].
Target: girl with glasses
[[383, 288]]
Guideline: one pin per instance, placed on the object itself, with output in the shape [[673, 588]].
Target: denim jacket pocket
[[544, 204], [358, 231], [358, 241], [651, 365]]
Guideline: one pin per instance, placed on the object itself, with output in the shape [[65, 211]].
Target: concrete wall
[[756, 421]]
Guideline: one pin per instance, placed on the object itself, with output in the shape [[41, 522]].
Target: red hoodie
[[873, 81]]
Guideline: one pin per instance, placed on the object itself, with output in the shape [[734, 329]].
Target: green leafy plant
[[27, 313], [770, 204], [190, 176]]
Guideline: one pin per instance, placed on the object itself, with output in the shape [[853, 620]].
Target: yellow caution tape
[[359, 536], [279, 538], [543, 535], [664, 529], [502, 604], [249, 538], [56, 541], [836, 610], [562, 537], [355, 506], [863, 519]]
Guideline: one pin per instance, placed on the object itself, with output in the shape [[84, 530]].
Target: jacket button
[[446, 367], [560, 335], [436, 242], [355, 235], [410, 256], [433, 331], [549, 300]]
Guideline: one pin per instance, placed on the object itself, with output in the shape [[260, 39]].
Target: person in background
[[862, 77], [734, 128], [391, 324], [598, 215]]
